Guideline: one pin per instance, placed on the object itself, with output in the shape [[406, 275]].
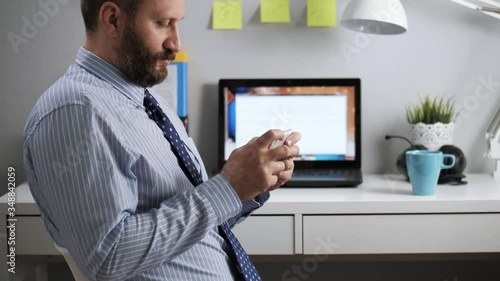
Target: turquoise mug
[[424, 167]]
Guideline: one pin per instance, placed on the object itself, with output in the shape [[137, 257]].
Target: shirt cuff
[[222, 197], [251, 205], [262, 198]]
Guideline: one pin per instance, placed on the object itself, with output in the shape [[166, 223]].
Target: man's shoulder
[[77, 87]]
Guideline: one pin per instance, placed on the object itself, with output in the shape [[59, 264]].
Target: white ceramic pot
[[432, 136]]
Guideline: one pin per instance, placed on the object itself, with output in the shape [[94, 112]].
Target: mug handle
[[452, 157]]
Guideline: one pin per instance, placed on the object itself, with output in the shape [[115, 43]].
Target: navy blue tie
[[154, 111]]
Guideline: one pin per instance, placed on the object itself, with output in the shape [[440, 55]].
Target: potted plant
[[431, 122]]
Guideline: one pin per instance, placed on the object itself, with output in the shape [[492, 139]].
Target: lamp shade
[[375, 16]]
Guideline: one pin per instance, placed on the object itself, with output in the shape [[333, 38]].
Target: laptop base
[[349, 178]]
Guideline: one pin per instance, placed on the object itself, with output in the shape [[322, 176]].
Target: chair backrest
[[72, 265]]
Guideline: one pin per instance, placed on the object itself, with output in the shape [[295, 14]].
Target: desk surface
[[297, 220], [388, 194], [379, 194]]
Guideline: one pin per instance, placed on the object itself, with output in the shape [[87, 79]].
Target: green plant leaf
[[431, 111]]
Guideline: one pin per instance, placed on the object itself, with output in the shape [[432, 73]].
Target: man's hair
[[90, 10]]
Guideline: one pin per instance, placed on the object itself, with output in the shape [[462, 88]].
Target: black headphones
[[453, 176]]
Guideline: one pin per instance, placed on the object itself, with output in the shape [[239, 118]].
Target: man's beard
[[138, 63]]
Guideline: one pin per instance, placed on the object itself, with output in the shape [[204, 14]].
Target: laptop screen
[[325, 112]]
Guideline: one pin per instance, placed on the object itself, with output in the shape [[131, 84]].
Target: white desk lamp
[[389, 16], [493, 138], [490, 11], [493, 133], [375, 16]]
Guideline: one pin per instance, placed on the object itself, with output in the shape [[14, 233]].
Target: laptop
[[327, 113]]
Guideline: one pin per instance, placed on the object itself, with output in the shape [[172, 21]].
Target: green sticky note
[[227, 15], [321, 12], [275, 10]]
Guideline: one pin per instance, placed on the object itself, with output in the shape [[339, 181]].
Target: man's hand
[[286, 174], [254, 168]]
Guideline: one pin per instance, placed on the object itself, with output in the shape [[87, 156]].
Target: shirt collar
[[110, 74]]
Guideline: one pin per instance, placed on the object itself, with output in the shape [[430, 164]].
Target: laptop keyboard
[[325, 178], [323, 172]]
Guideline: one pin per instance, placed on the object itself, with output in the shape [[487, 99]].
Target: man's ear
[[111, 18]]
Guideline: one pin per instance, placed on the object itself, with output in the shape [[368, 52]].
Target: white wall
[[448, 50]]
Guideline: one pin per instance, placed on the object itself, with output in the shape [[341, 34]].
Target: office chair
[[72, 265]]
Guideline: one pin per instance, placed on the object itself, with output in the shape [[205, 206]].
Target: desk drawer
[[32, 238], [266, 235], [386, 234]]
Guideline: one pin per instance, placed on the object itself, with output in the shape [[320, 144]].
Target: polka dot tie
[[244, 265], [170, 133]]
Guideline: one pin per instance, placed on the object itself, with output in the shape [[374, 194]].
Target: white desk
[[379, 217]]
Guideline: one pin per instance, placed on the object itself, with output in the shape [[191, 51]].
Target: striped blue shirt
[[111, 191]]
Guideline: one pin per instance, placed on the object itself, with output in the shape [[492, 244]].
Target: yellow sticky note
[[275, 10], [321, 12], [227, 15]]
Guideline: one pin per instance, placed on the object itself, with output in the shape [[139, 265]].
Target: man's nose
[[173, 42]]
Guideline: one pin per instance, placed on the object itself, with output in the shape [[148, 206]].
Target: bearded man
[[118, 181]]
